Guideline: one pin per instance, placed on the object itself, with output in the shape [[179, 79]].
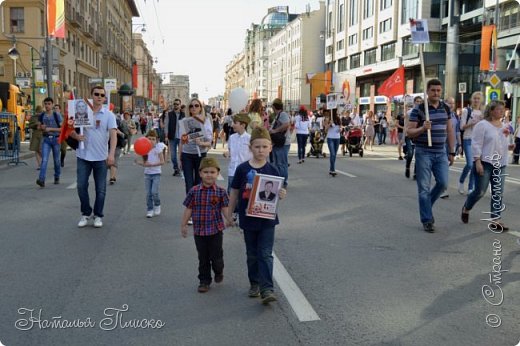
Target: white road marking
[[508, 179], [300, 305], [220, 177], [515, 233], [72, 186], [347, 174]]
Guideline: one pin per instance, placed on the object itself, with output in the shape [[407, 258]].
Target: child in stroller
[[355, 141], [316, 139]]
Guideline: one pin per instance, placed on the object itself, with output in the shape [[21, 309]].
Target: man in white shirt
[[93, 156]]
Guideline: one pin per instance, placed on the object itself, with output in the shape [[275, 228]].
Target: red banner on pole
[[394, 85]]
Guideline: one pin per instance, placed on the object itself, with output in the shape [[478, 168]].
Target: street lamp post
[[15, 54]]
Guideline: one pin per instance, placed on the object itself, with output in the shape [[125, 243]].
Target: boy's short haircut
[[152, 133], [260, 133], [48, 99], [209, 162]]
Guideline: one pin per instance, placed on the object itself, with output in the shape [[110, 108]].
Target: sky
[[200, 37]]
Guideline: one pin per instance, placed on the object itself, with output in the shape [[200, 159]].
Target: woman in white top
[[490, 150], [470, 117], [192, 151], [302, 125], [333, 133]]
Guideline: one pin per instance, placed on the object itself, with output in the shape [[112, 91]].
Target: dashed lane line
[[72, 186], [508, 179], [300, 305], [345, 173]]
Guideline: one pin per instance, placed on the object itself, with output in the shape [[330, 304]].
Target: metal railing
[[9, 139]]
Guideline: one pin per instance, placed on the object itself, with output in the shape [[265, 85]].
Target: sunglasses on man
[[99, 95]]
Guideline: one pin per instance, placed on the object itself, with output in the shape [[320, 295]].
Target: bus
[[12, 101]]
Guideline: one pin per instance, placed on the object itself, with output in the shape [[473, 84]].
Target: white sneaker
[[98, 222], [149, 213], [83, 221], [461, 188], [157, 210], [190, 222]]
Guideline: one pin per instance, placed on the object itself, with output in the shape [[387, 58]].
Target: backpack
[[56, 119]]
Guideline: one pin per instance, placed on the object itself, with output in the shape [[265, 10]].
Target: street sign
[[492, 94], [462, 88], [494, 80], [24, 83]]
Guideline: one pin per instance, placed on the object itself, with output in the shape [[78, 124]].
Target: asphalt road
[[353, 245]]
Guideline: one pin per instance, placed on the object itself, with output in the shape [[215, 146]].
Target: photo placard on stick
[[192, 128], [80, 111], [263, 201]]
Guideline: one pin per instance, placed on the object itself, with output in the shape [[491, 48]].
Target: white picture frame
[[264, 197]]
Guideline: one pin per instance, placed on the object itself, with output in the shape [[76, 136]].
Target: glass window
[[17, 19], [2, 66], [368, 8], [408, 10], [365, 89], [409, 47], [385, 4], [368, 33], [388, 51], [353, 12], [370, 57], [435, 9], [355, 60], [341, 17], [385, 25], [340, 45], [342, 64], [352, 40]]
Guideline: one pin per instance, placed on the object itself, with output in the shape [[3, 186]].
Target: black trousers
[[211, 255]]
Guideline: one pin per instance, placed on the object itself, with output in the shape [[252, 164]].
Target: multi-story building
[[256, 52], [97, 45], [234, 76], [178, 87], [148, 81], [371, 39], [293, 52]]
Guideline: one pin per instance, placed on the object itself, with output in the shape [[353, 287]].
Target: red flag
[[67, 125], [394, 85]]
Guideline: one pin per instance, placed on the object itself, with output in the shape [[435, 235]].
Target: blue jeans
[[190, 169], [50, 144], [466, 144], [280, 161], [495, 176], [410, 148], [426, 163], [99, 170], [259, 251], [301, 139], [174, 143], [333, 144], [151, 186]]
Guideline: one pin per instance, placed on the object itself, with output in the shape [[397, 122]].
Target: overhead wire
[[158, 22]]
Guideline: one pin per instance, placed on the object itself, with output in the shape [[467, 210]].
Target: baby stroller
[[316, 140], [355, 141]]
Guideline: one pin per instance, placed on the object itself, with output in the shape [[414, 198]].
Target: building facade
[[178, 87], [97, 45], [234, 76], [295, 51]]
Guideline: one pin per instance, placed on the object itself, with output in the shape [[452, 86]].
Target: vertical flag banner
[[394, 85], [56, 18], [488, 38]]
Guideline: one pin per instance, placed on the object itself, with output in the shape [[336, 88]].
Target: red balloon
[[142, 146]]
